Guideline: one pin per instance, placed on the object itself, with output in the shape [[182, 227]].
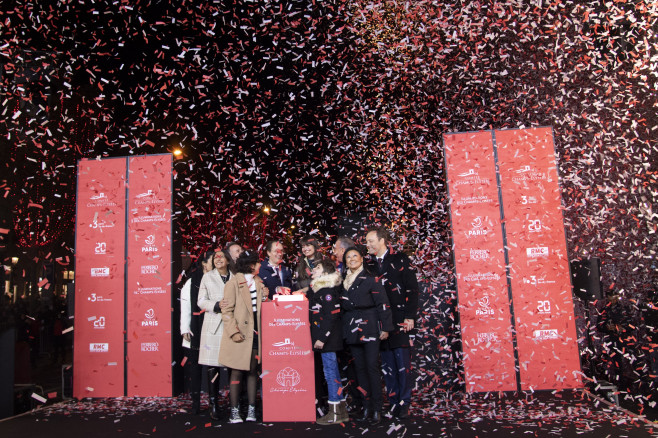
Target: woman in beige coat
[[211, 292], [241, 347]]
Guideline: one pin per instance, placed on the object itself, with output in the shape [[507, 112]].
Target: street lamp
[[14, 261]]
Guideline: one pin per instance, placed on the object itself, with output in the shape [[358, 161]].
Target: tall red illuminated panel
[[149, 276], [484, 307], [537, 254], [98, 359]]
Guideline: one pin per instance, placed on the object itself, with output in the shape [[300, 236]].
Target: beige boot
[[331, 417], [343, 416]]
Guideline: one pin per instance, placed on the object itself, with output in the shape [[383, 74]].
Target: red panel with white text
[[149, 276], [484, 306], [541, 287], [98, 359]]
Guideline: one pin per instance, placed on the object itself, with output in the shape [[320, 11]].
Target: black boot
[[376, 417], [367, 412], [213, 392]]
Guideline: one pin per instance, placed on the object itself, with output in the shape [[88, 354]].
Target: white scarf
[[351, 276]]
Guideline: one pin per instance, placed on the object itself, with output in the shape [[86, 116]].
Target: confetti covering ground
[[539, 415], [332, 113]]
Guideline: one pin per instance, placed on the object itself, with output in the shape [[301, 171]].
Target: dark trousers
[[368, 372], [348, 374], [396, 364], [192, 371]]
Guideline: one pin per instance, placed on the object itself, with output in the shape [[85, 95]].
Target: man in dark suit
[[342, 243], [275, 275], [401, 286]]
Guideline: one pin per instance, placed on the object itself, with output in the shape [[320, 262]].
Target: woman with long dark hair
[[191, 319], [241, 344], [310, 255], [211, 293], [367, 320]]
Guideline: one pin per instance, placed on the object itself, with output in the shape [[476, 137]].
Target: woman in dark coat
[[327, 334], [367, 320]]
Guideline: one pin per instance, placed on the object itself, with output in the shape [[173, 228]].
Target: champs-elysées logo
[[148, 197], [100, 200], [470, 177], [527, 173]]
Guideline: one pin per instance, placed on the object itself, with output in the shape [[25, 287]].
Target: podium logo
[[99, 323], [99, 347], [100, 272], [149, 319], [477, 227], [149, 244], [543, 335], [288, 377], [150, 346], [283, 343], [485, 307], [100, 196]]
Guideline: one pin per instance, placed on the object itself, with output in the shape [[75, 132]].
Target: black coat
[[401, 286], [271, 280], [324, 312], [366, 311]]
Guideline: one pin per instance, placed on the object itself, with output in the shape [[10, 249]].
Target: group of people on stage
[[362, 311]]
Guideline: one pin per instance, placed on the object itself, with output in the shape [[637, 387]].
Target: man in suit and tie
[[274, 274], [342, 243], [401, 286]]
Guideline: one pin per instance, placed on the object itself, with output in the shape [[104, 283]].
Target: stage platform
[[541, 414]]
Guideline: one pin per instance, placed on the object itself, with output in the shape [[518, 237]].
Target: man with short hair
[[234, 249], [401, 286], [276, 277], [342, 243]]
